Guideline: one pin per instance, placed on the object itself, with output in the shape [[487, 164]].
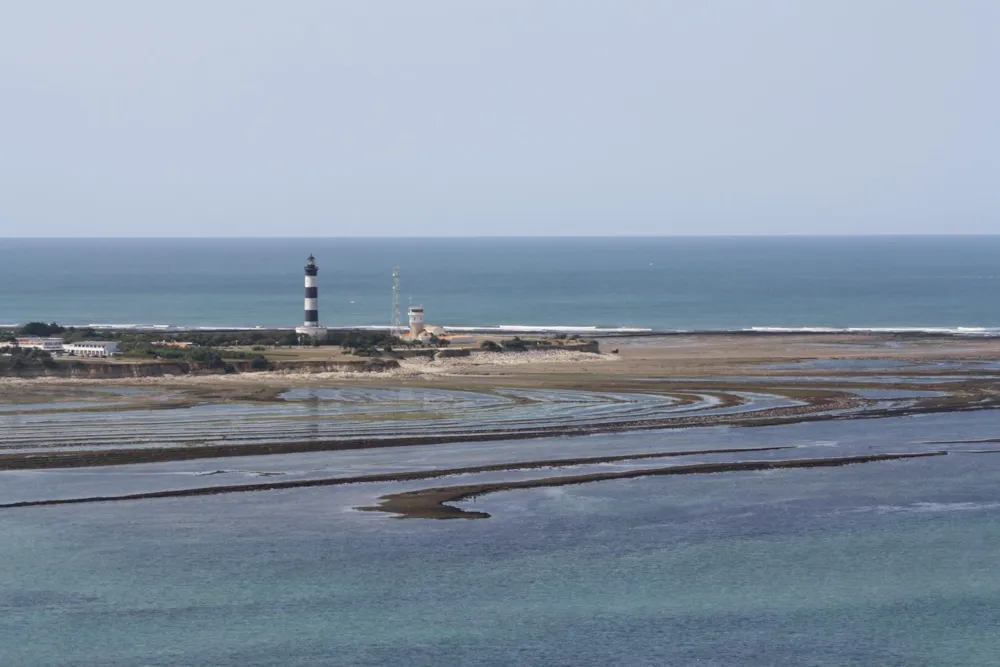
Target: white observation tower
[[416, 314]]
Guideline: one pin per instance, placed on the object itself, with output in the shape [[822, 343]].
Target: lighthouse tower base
[[319, 333]]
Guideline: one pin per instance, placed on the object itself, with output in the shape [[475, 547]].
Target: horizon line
[[512, 236]]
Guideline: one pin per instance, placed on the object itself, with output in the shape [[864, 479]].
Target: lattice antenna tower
[[396, 328]]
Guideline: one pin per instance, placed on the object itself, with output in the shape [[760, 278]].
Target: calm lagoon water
[[879, 564]]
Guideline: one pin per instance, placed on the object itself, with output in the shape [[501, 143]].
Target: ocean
[[665, 283]]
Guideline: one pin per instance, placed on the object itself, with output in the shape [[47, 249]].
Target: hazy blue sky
[[322, 118]]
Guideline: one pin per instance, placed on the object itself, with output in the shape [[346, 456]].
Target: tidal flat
[[823, 500]]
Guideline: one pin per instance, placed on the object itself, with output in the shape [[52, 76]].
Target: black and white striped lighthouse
[[312, 294], [310, 325]]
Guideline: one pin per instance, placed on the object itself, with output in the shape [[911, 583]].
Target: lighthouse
[[310, 326], [312, 294]]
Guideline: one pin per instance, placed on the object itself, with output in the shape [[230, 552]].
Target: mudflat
[[633, 383]]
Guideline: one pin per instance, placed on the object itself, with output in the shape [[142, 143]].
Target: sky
[[492, 118]]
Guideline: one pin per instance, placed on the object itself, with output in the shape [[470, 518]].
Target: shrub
[[41, 329], [490, 346], [259, 363], [212, 360], [72, 334], [514, 345], [435, 341]]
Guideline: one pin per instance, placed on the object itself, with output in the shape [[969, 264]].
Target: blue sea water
[[672, 283]]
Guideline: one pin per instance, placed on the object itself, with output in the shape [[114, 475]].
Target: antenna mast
[[396, 328]]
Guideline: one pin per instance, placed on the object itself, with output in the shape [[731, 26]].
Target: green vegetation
[[74, 335], [208, 349], [17, 359], [515, 344], [357, 340], [218, 338], [435, 341], [205, 356], [204, 344], [40, 329]]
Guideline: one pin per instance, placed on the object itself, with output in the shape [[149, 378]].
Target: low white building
[[91, 348], [37, 343]]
